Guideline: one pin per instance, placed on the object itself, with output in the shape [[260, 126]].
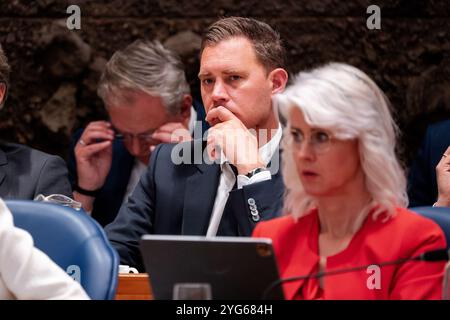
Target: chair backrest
[[440, 215], [74, 241]]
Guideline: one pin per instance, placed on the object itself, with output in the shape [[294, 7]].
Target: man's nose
[[134, 146], [219, 92]]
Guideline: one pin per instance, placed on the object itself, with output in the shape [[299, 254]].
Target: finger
[[105, 125], [98, 129], [164, 137], [175, 136], [90, 150], [218, 139], [91, 137], [213, 133], [171, 126], [93, 127], [229, 129], [93, 131], [211, 147], [219, 114]]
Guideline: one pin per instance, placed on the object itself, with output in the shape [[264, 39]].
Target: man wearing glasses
[[148, 101], [25, 172]]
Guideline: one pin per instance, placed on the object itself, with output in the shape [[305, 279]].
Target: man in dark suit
[[147, 98], [225, 185], [25, 172], [429, 176]]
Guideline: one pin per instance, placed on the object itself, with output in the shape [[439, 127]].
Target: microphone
[[428, 256]]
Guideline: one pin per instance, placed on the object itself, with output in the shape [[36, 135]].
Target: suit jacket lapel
[[274, 165], [201, 189]]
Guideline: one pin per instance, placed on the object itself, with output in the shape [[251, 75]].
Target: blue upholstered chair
[[74, 241], [440, 215]]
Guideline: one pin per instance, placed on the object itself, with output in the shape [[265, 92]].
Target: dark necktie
[[228, 223], [235, 171]]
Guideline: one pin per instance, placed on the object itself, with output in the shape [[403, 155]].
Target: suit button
[[254, 212], [252, 207], [251, 201], [256, 218]]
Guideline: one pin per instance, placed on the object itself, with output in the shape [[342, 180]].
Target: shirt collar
[[267, 150], [192, 120]]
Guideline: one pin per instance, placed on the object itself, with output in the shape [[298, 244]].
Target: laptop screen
[[230, 267]]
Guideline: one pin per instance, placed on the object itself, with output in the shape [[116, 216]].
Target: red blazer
[[405, 235]]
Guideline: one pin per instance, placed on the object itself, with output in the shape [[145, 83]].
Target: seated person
[[429, 176], [28, 273], [147, 99], [209, 192], [346, 195], [25, 172]]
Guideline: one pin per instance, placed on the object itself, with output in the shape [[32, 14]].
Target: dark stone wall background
[[55, 70]]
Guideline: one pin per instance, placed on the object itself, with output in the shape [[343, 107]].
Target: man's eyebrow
[[225, 72], [203, 74], [231, 71]]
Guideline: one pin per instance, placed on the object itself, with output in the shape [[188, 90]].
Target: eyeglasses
[[319, 140], [143, 138], [59, 199]]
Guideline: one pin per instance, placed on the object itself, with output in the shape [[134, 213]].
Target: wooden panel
[[133, 287]]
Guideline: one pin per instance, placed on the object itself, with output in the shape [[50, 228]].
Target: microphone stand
[[279, 282], [430, 256]]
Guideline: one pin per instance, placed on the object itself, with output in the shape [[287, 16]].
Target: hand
[[229, 135], [93, 157], [443, 180], [172, 132]]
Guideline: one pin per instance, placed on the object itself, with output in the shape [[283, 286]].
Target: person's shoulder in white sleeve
[[28, 273]]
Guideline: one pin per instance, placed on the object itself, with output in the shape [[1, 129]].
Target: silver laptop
[[215, 268]]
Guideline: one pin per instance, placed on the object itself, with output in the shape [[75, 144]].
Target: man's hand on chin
[[229, 135]]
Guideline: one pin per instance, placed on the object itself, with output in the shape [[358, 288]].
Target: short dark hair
[[266, 41], [5, 69]]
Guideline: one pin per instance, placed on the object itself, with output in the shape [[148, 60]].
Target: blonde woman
[[346, 195]]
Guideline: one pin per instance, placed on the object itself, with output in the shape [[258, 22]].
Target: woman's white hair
[[344, 100], [144, 66]]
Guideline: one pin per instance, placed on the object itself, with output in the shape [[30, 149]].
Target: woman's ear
[[278, 77]]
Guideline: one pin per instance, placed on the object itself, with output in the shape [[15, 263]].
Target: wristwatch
[[255, 171]]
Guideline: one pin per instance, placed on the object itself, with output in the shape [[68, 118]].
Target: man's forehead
[[132, 127], [139, 116], [227, 56], [123, 97]]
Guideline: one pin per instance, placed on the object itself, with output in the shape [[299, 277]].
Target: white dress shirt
[[227, 180], [136, 172]]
